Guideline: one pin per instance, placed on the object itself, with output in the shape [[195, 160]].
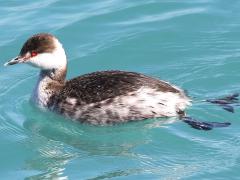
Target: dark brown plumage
[[99, 86], [40, 43]]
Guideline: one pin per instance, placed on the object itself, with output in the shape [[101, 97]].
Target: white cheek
[[43, 61], [48, 60], [35, 61]]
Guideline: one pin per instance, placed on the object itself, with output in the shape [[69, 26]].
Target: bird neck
[[49, 83]]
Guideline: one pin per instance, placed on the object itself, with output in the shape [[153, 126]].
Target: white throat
[[41, 93], [53, 70]]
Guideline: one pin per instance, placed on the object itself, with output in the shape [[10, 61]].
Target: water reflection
[[57, 141]]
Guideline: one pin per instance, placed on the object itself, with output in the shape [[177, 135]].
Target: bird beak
[[16, 60]]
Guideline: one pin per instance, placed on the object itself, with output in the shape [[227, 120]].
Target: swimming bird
[[104, 97]]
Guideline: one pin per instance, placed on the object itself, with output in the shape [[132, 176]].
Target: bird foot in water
[[203, 125], [226, 102]]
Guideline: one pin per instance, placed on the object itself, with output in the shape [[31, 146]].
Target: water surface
[[193, 44]]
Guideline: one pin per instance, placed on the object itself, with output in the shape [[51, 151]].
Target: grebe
[[100, 97]]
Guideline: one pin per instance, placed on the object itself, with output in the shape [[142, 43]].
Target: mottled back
[[98, 86]]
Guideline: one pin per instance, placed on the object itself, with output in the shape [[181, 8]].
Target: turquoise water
[[193, 44]]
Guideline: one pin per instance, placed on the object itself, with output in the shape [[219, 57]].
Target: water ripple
[[195, 45], [163, 16]]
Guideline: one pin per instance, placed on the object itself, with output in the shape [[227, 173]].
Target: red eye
[[33, 53]]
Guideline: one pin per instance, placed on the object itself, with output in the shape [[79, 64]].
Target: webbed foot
[[227, 102], [203, 125]]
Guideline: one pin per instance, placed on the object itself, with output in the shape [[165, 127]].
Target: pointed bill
[[15, 60]]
